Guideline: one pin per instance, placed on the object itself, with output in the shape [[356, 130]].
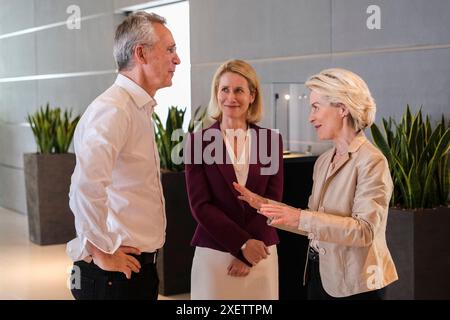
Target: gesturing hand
[[253, 199], [281, 215]]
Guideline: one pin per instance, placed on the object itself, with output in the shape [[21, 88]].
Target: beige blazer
[[347, 216]]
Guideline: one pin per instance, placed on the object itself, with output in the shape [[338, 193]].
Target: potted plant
[[175, 258], [47, 176], [417, 230]]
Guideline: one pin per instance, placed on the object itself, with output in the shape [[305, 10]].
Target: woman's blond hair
[[244, 69], [340, 86]]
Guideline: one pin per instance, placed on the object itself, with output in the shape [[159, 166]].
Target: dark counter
[[292, 248]]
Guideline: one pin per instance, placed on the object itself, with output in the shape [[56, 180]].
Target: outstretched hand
[[281, 215], [253, 199]]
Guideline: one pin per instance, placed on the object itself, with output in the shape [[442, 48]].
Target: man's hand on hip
[[120, 261]]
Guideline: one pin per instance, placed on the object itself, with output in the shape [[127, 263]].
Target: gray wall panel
[[78, 91], [403, 23], [295, 70], [201, 78], [11, 10], [51, 11], [12, 189], [395, 79], [253, 29], [76, 50], [118, 4], [15, 56], [17, 99], [15, 140]]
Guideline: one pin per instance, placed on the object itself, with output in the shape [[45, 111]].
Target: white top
[[241, 164], [116, 193]]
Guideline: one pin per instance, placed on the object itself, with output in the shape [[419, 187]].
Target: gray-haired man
[[116, 194]]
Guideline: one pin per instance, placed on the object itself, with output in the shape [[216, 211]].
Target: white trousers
[[210, 279]]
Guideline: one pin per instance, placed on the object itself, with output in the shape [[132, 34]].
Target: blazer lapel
[[225, 167], [322, 179], [339, 166], [254, 168], [353, 147], [227, 171]]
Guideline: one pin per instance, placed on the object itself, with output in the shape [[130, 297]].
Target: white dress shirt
[[116, 193]]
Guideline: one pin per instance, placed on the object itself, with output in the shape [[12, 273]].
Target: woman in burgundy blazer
[[235, 254]]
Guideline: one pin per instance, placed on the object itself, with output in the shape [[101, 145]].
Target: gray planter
[[47, 182], [419, 243], [175, 258]]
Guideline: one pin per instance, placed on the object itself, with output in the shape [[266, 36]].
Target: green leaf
[[53, 131], [418, 159]]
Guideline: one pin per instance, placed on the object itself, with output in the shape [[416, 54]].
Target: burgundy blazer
[[225, 223]]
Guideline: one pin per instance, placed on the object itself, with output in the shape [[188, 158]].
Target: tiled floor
[[29, 271]]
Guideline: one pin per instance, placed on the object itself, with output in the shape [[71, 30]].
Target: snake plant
[[52, 129], [166, 140], [418, 159], [163, 136]]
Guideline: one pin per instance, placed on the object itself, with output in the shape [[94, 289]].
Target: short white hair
[[340, 86], [136, 29]]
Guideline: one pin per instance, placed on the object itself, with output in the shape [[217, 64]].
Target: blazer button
[[322, 251]]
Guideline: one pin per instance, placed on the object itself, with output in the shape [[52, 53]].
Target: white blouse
[[242, 162]]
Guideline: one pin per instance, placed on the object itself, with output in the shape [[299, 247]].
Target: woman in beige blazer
[[346, 219]]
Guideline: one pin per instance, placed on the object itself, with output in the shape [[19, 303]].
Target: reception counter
[[298, 170]]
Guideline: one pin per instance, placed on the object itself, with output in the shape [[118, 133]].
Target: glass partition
[[286, 108]]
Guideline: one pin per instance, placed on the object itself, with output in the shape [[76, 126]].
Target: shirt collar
[[137, 93]]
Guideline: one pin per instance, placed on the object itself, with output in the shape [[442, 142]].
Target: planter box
[[175, 258], [419, 243], [47, 182]]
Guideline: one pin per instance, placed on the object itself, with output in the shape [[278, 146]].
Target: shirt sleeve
[[98, 141]]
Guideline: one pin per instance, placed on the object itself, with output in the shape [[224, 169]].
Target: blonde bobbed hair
[[244, 69], [340, 86]]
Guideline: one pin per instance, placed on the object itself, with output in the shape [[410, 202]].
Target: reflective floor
[[32, 272]]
